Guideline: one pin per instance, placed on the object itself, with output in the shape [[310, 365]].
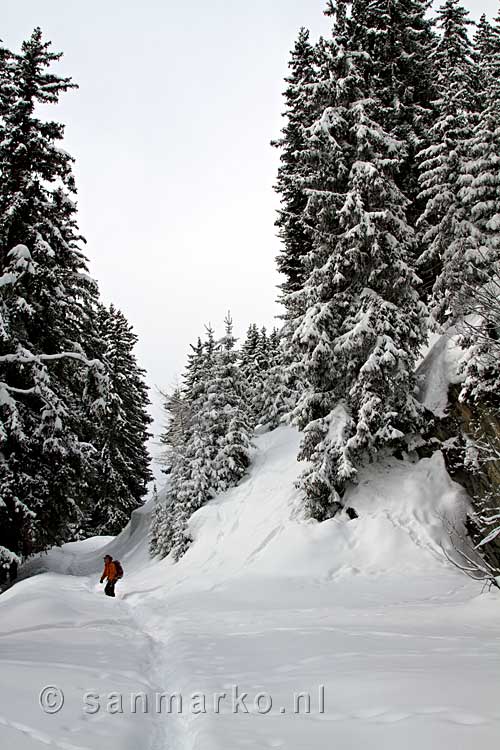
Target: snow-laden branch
[[25, 359]]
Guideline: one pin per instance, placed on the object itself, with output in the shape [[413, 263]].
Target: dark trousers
[[109, 589]]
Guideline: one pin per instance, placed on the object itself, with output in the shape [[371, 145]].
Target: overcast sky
[[170, 130]]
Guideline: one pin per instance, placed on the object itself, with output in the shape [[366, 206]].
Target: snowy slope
[[407, 649]]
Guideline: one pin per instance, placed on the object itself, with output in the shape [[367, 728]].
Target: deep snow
[[406, 647]]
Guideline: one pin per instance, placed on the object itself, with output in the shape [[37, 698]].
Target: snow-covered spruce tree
[[47, 381], [122, 468], [485, 42], [177, 406], [277, 397], [228, 395], [475, 262], [299, 113], [363, 323], [305, 166], [156, 522], [308, 353], [170, 517], [250, 369], [192, 479], [249, 346], [257, 375], [177, 410], [398, 37], [6, 84], [216, 451], [256, 358], [443, 225]]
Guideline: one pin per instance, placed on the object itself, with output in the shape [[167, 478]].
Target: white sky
[[170, 130]]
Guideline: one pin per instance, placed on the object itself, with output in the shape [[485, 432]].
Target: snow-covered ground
[[394, 646]]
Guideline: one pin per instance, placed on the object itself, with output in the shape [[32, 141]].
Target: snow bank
[[257, 528], [406, 649], [405, 512], [85, 557]]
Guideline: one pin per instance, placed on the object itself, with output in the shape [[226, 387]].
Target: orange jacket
[[109, 571]]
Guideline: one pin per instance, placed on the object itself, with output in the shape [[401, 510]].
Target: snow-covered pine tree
[[308, 164], [299, 114], [170, 518], [198, 361], [176, 407], [475, 263], [46, 304], [6, 87], [255, 361], [261, 364], [277, 397], [262, 352], [363, 323], [122, 469], [249, 346], [398, 36], [443, 225], [249, 368], [156, 523], [228, 395], [216, 451], [485, 41]]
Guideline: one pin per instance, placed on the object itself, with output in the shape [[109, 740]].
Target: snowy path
[[58, 630], [404, 663]]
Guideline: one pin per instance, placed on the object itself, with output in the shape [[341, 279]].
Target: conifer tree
[[254, 358], [229, 396], [122, 469], [398, 37], [173, 437], [248, 354], [216, 444], [46, 308], [278, 399], [299, 113], [72, 400], [444, 223], [362, 326], [475, 262], [485, 41]]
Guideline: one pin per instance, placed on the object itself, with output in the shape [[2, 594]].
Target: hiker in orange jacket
[[111, 574]]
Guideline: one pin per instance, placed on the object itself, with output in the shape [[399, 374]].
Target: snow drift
[[405, 648]]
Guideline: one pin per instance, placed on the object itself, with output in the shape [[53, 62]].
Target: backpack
[[118, 568]]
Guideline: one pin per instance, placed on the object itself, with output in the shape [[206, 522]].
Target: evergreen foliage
[[358, 322], [299, 113], [211, 452], [55, 386], [387, 164], [122, 470], [444, 225]]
